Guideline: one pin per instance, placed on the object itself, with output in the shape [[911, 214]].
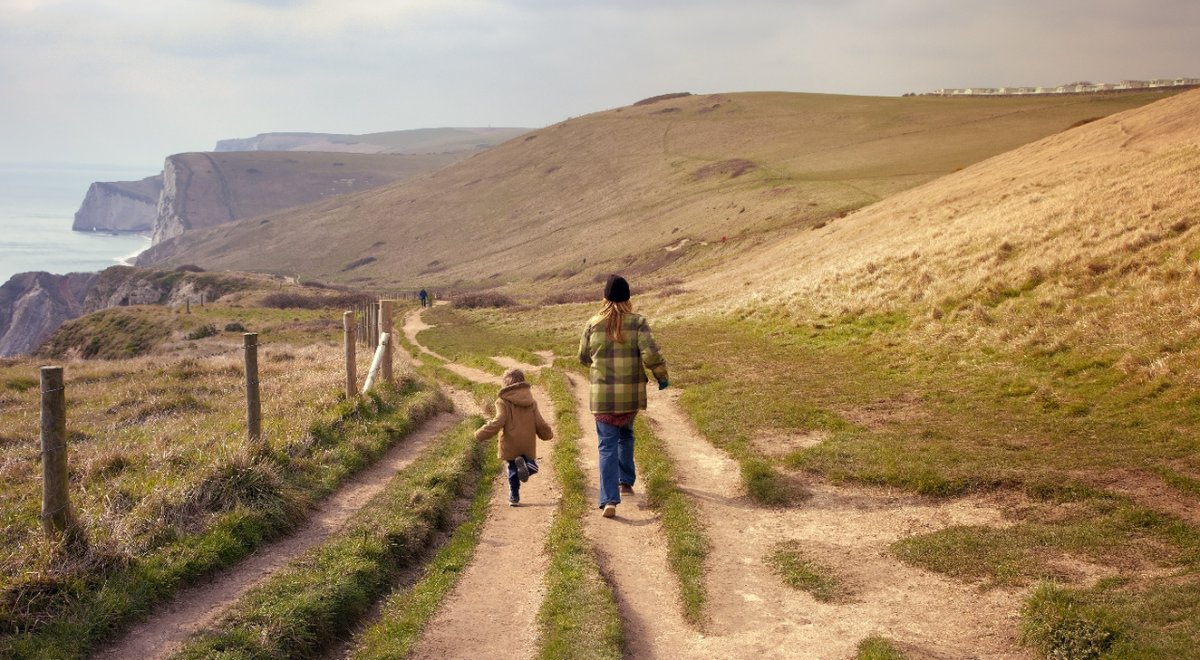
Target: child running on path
[[519, 424]]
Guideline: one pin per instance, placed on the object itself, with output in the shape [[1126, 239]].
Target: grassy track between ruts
[[406, 612], [687, 541], [257, 497], [579, 617], [321, 594]]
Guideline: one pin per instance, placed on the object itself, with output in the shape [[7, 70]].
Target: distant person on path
[[424, 296], [519, 424], [618, 346]]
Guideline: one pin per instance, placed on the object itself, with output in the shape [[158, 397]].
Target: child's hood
[[518, 394]]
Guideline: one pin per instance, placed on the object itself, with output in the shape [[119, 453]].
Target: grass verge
[[321, 594], [579, 617], [252, 498], [687, 542], [406, 613]]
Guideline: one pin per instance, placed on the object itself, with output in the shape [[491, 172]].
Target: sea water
[[37, 207]]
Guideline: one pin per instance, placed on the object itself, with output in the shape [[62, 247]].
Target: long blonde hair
[[613, 314]]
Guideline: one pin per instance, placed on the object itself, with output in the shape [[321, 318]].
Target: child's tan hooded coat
[[518, 422]]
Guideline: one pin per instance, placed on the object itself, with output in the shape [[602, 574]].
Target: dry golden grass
[[553, 209], [145, 433], [1088, 237]]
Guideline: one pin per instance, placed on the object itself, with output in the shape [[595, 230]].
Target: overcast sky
[[131, 81]]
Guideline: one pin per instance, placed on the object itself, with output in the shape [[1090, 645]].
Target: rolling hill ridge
[[615, 189]]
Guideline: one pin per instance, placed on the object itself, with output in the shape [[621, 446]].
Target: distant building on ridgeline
[[1069, 88]]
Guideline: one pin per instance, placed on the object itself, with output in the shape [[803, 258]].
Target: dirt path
[[753, 614], [193, 609], [413, 324], [633, 554], [492, 612]]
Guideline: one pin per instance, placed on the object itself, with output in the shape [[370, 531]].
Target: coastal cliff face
[[33, 305], [202, 190], [125, 206]]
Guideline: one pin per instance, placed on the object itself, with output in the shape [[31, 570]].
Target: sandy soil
[[192, 609]]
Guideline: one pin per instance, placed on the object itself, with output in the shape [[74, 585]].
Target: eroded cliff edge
[[124, 206]]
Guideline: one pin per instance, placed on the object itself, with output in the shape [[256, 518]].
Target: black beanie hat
[[616, 289]]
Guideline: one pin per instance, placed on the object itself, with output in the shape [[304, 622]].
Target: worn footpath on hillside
[[164, 632], [492, 611], [751, 612]]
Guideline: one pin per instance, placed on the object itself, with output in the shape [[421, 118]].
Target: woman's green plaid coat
[[618, 370]]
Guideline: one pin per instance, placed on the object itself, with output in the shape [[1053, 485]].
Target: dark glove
[[662, 384]]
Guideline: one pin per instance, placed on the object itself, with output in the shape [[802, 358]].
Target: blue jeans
[[616, 460], [514, 481]]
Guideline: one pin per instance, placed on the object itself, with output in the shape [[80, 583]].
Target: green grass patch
[[1115, 619], [579, 617], [1102, 530], [800, 571], [466, 339], [687, 542], [321, 594], [877, 648], [406, 613]]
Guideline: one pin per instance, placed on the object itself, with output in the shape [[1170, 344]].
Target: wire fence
[[56, 517]]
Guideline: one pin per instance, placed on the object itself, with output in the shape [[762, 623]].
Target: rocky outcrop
[[33, 305], [124, 206]]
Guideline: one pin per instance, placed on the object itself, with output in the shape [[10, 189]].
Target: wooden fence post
[[253, 402], [187, 303], [348, 341], [385, 312], [57, 517]]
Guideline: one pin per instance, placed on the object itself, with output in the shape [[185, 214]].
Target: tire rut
[[196, 607]]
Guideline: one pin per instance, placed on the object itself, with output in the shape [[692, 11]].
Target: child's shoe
[[610, 510], [626, 489], [514, 500], [522, 469]]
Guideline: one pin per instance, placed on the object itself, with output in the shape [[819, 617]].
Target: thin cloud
[[135, 80]]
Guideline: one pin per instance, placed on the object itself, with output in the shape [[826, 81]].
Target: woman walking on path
[[618, 346]]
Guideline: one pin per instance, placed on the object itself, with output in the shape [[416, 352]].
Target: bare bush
[[313, 301], [570, 297], [483, 299]]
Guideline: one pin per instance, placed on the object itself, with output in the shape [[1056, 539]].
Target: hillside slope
[[1098, 227], [591, 194]]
